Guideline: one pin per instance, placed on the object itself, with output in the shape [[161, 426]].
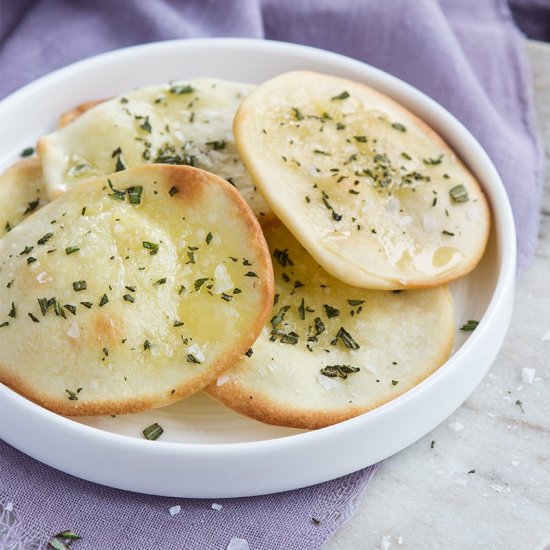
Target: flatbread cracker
[[131, 291], [186, 123], [22, 192], [371, 191], [70, 116], [330, 351]]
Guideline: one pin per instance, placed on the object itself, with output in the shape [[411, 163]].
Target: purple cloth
[[466, 54]]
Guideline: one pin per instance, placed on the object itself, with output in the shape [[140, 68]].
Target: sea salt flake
[[9, 507], [515, 463], [74, 331], [428, 223], [175, 510], [497, 488], [222, 380], [393, 205], [238, 544], [456, 426], [528, 375], [216, 506], [222, 280], [43, 278], [405, 220], [385, 544], [546, 337], [400, 540], [196, 351], [327, 382]]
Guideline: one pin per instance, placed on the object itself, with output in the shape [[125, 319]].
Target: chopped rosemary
[[282, 257], [302, 310], [340, 371], [200, 282], [250, 274], [192, 359], [12, 312], [331, 311], [152, 247], [433, 162], [279, 316], [173, 190], [355, 302], [31, 206], [153, 432], [79, 285], [459, 194], [346, 338], [399, 127], [73, 394], [180, 89], [208, 237], [104, 300], [71, 250], [27, 152], [129, 298], [470, 325], [360, 139], [45, 238], [343, 95], [134, 194], [216, 145]]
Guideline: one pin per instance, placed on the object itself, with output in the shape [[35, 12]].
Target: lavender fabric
[[466, 54]]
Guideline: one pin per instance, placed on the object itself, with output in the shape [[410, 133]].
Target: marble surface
[[481, 480]]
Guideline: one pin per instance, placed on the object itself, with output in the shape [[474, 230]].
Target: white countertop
[[481, 480]]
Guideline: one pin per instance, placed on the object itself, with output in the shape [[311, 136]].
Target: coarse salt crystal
[[222, 380], [327, 382], [238, 544], [73, 331], [400, 540], [43, 278], [385, 544], [456, 426], [9, 506], [546, 337], [515, 463], [405, 220], [222, 280], [497, 488], [393, 205], [175, 510], [216, 506], [428, 223], [196, 351], [528, 375]]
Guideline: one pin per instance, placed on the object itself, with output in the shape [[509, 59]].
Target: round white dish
[[206, 450]]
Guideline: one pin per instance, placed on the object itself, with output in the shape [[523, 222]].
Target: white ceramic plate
[[207, 450]]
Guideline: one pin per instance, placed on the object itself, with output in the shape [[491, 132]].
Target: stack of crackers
[[286, 248]]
